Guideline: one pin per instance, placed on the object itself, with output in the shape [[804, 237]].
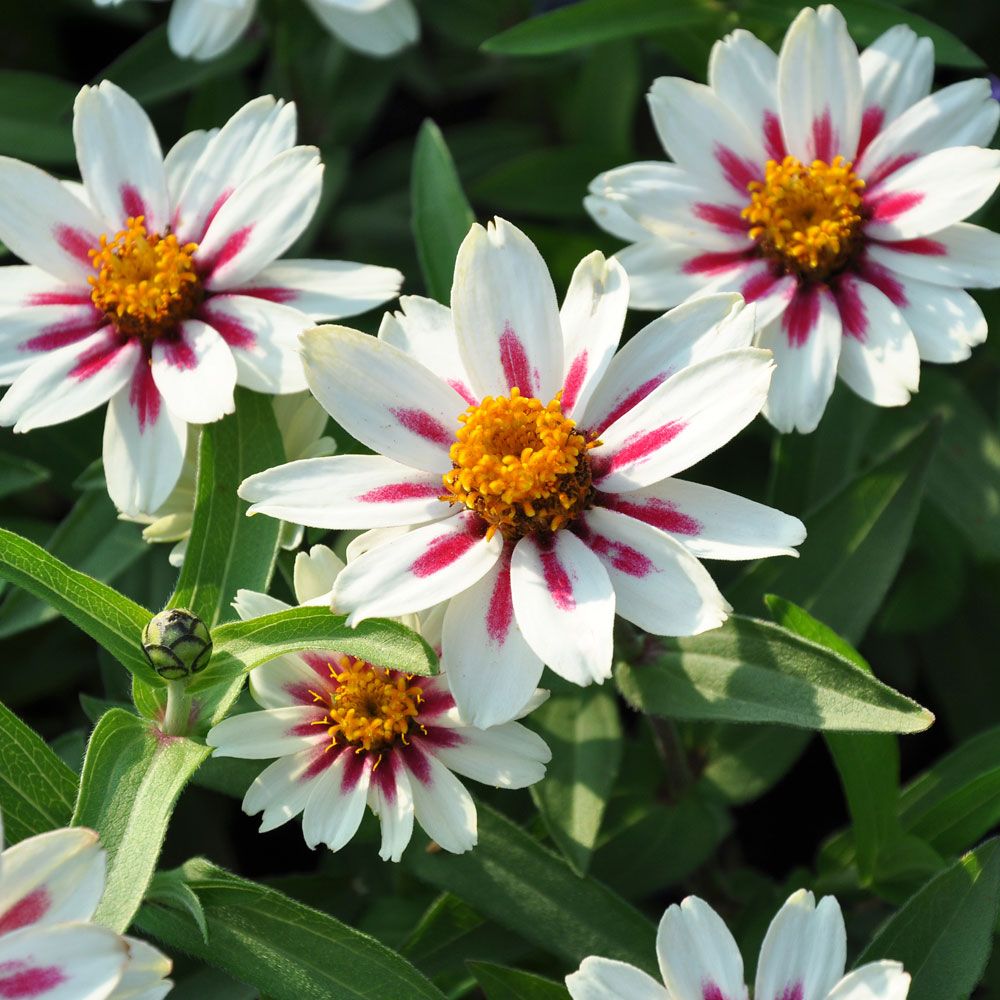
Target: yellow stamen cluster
[[520, 465], [145, 283], [806, 217], [370, 707]]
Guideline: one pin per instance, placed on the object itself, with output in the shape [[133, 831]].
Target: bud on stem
[[177, 645]]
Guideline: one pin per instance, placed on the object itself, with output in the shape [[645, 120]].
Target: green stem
[[676, 769], [177, 717]]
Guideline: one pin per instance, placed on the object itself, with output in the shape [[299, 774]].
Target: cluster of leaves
[[697, 769]]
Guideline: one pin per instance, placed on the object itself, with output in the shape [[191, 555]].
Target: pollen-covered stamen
[[145, 283], [370, 707], [520, 464], [807, 218]]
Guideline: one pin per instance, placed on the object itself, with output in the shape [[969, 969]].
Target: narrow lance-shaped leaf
[[37, 789], [132, 776], [501, 983], [227, 550], [286, 950], [753, 671], [109, 618], [442, 216]]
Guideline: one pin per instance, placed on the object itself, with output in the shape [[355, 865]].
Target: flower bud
[[176, 643]]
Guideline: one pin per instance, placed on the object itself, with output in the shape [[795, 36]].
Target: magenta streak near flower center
[[574, 380], [442, 552], [395, 492], [643, 444], [514, 359], [26, 910], [500, 614], [421, 423], [19, 981], [557, 580]]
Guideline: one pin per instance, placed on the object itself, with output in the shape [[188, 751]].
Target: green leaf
[[90, 538], [583, 731], [109, 618], [228, 550], [868, 763], [943, 935], [37, 789], [151, 73], [753, 671], [442, 216], [287, 950], [745, 761], [132, 776], [593, 21], [855, 544], [501, 983], [172, 890], [16, 473], [512, 879], [36, 114]]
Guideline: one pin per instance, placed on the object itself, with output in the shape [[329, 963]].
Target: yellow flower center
[[806, 217], [145, 283], [519, 464], [371, 707]]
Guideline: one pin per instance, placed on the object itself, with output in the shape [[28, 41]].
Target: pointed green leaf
[[501, 983]]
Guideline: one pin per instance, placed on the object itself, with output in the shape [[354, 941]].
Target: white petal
[[659, 274], [606, 979], [383, 397], [879, 358], [248, 142], [325, 289], [274, 732], [263, 338], [443, 806], [315, 572], [659, 585], [336, 804], [44, 224], [592, 318], [66, 962], [696, 951], [425, 330], [491, 670], [144, 445], [391, 798], [53, 878], [874, 981], [505, 756], [203, 30], [251, 604], [962, 255], [699, 329], [689, 416], [897, 70], [806, 341], [418, 570], [195, 373], [946, 322], [282, 789], [932, 192], [181, 158], [262, 218], [290, 680], [819, 87], [70, 381], [380, 32], [805, 946], [565, 605], [711, 523], [23, 285], [145, 973], [611, 216], [30, 333], [706, 137], [506, 315]]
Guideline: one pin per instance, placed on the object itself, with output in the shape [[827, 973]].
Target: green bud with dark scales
[[177, 643]]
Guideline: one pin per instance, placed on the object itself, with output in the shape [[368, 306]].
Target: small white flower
[[802, 958], [534, 466], [204, 29], [301, 421], [156, 286], [346, 734], [50, 886], [830, 189]]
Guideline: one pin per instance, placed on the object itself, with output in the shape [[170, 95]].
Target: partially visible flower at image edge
[[802, 958], [535, 467], [204, 29], [301, 421], [828, 188], [50, 887], [156, 285], [347, 734]]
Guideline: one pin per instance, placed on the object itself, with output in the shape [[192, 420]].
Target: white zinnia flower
[[830, 189], [347, 733], [50, 886], [156, 286], [204, 29], [802, 958], [535, 467]]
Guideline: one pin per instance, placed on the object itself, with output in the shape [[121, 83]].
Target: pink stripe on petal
[[739, 172], [19, 981], [93, 361], [231, 249], [759, 284], [514, 359], [27, 910], [500, 613], [709, 991], [871, 124], [66, 298], [801, 315], [232, 331], [394, 492], [892, 206], [178, 353], [75, 242], [300, 691], [61, 334], [824, 138], [440, 737], [889, 167], [853, 315], [354, 767], [885, 281], [132, 203], [144, 396], [643, 444], [318, 663], [384, 776], [723, 217], [923, 245], [624, 558], [659, 513], [635, 397], [423, 424], [419, 765], [273, 293], [558, 581], [442, 552], [716, 262], [323, 757], [436, 700], [774, 139], [794, 992], [214, 210], [574, 380]]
